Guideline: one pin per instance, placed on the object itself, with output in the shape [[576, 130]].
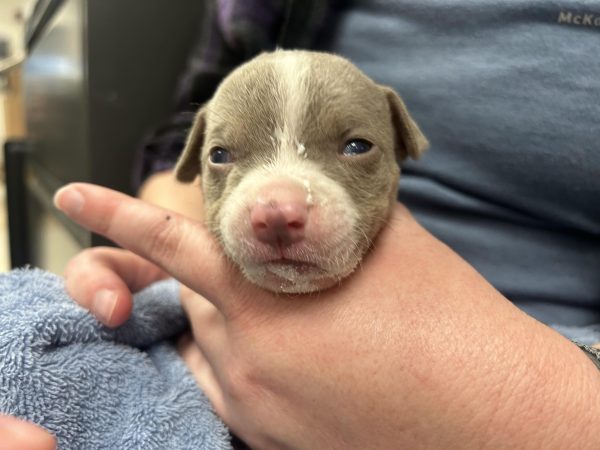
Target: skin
[[16, 434], [425, 356]]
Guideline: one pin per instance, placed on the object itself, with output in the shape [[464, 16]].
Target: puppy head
[[298, 152]]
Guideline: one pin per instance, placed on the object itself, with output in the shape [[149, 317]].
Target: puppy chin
[[293, 278]]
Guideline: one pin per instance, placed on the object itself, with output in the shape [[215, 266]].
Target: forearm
[[511, 382], [516, 383]]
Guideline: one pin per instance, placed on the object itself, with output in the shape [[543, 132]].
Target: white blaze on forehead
[[293, 75]]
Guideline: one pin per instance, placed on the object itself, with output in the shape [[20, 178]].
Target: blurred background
[[12, 13], [81, 82]]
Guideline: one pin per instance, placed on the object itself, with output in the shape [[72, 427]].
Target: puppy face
[[298, 155]]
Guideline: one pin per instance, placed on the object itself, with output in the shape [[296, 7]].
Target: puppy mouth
[[298, 265], [292, 276]]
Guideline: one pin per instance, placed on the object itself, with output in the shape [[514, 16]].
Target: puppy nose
[[279, 215]]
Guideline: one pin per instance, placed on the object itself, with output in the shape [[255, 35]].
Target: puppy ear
[[410, 141], [188, 165]]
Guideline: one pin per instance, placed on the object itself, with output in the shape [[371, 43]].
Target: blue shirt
[[508, 94]]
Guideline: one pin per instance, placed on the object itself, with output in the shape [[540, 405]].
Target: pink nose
[[279, 215]]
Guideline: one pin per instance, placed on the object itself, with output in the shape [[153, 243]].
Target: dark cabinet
[[98, 75]]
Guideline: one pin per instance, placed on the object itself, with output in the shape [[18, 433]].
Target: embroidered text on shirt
[[584, 20]]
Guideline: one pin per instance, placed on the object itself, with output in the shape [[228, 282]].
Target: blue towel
[[101, 388], [95, 387]]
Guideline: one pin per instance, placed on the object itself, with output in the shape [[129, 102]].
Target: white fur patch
[[309, 197], [293, 90]]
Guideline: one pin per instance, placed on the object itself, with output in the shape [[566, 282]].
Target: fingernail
[[69, 200], [104, 304]]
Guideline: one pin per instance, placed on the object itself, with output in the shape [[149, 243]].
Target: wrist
[[592, 352], [550, 396]]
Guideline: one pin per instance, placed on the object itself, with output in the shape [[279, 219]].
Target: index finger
[[183, 248]]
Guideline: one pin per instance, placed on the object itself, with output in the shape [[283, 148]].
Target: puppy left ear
[[410, 141], [188, 165]]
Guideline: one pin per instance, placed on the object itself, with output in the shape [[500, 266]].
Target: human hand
[[415, 350], [16, 434], [102, 279]]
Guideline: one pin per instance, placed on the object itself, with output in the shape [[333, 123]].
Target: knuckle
[[84, 260], [75, 264], [237, 381], [243, 380]]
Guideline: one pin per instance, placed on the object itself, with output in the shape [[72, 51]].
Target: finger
[[102, 279], [183, 248], [17, 434]]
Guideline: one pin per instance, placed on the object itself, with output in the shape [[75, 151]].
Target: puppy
[[298, 154]]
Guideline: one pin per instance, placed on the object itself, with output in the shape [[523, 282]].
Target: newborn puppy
[[298, 156]]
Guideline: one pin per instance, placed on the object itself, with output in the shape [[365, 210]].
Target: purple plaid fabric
[[233, 31]]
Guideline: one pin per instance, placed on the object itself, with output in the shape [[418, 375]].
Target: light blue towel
[[94, 387], [101, 388]]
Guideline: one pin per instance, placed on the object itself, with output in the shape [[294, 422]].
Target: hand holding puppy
[[415, 350]]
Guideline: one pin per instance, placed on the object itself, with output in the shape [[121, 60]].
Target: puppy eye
[[219, 155], [356, 147]]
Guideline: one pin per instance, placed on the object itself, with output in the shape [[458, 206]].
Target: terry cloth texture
[[100, 388], [95, 387]]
